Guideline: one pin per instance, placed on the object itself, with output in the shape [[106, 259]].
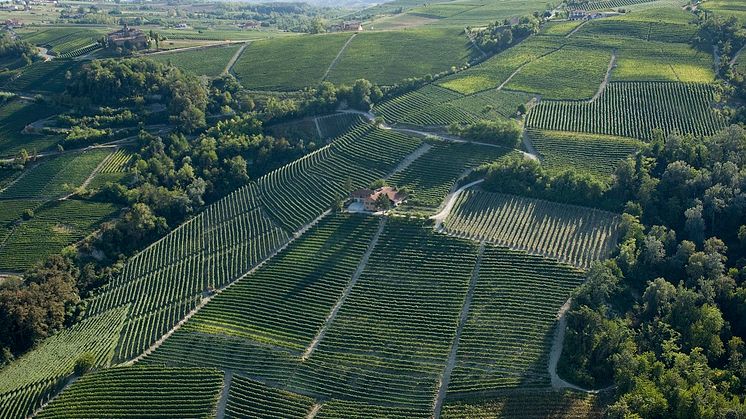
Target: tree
[[85, 362]]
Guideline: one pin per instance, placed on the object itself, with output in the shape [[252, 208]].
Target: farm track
[[528, 145], [336, 59], [223, 401], [518, 70], [206, 300], [422, 150], [607, 78], [450, 201], [314, 411], [229, 67], [451, 363], [577, 28], [318, 127], [355, 276], [90, 177]]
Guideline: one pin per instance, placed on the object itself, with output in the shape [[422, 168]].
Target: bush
[[506, 133], [84, 363]]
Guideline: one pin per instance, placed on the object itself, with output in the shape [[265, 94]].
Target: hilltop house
[[371, 200], [347, 26], [128, 37]]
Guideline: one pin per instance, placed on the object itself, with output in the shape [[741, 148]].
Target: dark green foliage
[[84, 363], [506, 133]]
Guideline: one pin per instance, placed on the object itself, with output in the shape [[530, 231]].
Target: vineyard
[[55, 176], [334, 125], [634, 110], [592, 153], [432, 105], [64, 40], [507, 336], [571, 234], [251, 399], [43, 77], [24, 382], [54, 226], [432, 176], [14, 117], [136, 392], [531, 404], [201, 61]]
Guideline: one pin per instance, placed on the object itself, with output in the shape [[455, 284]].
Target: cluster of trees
[[498, 36], [14, 49], [665, 318], [523, 176], [139, 81], [504, 132]]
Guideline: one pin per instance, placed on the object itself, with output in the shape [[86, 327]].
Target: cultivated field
[[203, 61], [14, 117], [571, 234]]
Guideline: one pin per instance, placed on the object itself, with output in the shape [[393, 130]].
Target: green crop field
[[571, 234], [43, 77], [734, 8], [528, 404], [24, 382], [569, 73], [655, 61], [64, 40], [493, 72], [203, 61], [251, 399], [432, 105], [136, 392], [288, 63], [14, 117], [592, 153], [334, 125], [55, 176], [507, 336], [634, 110], [54, 226], [389, 57], [432, 175], [659, 24]]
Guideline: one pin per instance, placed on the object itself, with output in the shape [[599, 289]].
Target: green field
[[634, 110], [64, 40], [140, 392], [55, 176], [204, 61], [734, 8], [386, 58], [14, 117], [54, 225], [591, 153], [571, 234], [528, 404], [288, 63], [43, 77]]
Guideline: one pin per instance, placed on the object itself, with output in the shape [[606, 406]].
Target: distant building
[[13, 23], [370, 199], [347, 26], [128, 37], [182, 26], [249, 24], [583, 15]]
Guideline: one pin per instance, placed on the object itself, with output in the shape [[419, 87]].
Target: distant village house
[[348, 26], [583, 15], [128, 38], [375, 200], [249, 24]]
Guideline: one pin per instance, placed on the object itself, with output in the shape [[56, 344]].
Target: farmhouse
[[347, 26], [583, 15], [249, 24], [373, 200], [128, 37]]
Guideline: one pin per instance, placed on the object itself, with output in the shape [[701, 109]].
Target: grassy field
[[55, 225], [14, 117], [288, 63], [204, 61], [389, 57]]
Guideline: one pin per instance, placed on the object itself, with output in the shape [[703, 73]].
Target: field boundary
[[355, 276], [336, 59], [451, 363], [607, 78], [223, 400]]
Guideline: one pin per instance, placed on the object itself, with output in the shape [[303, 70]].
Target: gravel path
[[450, 201], [607, 78]]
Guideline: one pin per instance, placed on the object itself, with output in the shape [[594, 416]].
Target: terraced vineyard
[[634, 110], [571, 234], [202, 61], [593, 153], [54, 226], [507, 336], [433, 105], [56, 176], [43, 77], [251, 399], [135, 392], [64, 40], [14, 117], [529, 404], [25, 382], [334, 125], [432, 175], [117, 162], [391, 337]]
